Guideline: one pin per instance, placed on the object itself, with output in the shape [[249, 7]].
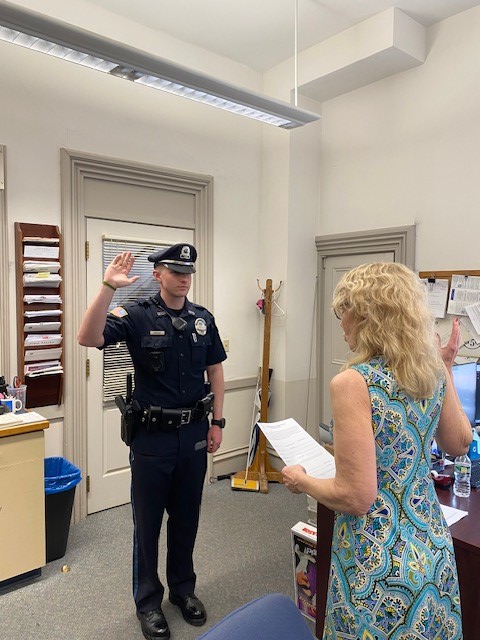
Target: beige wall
[[407, 150]]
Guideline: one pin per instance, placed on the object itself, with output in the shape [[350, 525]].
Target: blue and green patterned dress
[[393, 572]]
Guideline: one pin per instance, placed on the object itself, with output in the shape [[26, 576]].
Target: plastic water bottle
[[462, 472]]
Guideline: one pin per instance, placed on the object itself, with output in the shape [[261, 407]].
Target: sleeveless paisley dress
[[393, 574]]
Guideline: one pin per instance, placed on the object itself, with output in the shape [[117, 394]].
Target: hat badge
[[185, 253]]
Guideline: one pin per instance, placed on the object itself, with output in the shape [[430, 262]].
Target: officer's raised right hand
[[116, 274]]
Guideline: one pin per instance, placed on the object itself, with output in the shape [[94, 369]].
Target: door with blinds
[[108, 464]]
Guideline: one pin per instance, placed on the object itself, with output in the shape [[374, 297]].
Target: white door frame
[[75, 168], [399, 240], [5, 302]]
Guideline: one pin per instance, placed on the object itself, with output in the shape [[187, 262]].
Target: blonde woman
[[393, 572]]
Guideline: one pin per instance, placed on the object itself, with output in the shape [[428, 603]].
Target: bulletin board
[[470, 339]]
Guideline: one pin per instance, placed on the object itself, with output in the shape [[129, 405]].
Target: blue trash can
[[61, 478]]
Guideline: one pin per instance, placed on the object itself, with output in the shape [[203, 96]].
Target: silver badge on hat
[[200, 326], [185, 253]]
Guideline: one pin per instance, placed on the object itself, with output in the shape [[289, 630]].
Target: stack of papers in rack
[[49, 371], [42, 313], [42, 299], [35, 327], [43, 368], [44, 364], [40, 251], [43, 339], [41, 279], [45, 265], [35, 355], [40, 240]]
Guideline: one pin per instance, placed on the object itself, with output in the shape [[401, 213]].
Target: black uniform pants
[[169, 478]]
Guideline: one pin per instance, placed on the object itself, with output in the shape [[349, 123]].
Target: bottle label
[[461, 468]]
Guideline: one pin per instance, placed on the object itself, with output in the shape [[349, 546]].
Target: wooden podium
[[261, 470]]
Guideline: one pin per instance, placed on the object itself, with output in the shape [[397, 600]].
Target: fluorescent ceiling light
[[47, 35]]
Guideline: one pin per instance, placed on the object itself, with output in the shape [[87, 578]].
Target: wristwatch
[[219, 423]]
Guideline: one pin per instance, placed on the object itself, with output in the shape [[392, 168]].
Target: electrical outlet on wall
[[226, 344]]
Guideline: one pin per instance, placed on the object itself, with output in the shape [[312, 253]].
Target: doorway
[[114, 190], [337, 254]]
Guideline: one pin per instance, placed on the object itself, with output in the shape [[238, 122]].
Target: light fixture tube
[[40, 33]]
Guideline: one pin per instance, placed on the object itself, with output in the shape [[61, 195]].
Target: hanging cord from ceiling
[[295, 55]]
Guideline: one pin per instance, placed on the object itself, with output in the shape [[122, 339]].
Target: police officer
[[173, 342]]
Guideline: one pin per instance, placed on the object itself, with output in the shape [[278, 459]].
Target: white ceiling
[[261, 33]]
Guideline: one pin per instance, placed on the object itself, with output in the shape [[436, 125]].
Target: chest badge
[[200, 326]]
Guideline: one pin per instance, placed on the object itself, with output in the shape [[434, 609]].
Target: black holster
[[129, 419]]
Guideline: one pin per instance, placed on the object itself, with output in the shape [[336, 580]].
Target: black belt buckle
[[185, 416]]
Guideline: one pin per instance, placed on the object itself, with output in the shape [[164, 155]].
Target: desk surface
[[465, 532], [28, 427]]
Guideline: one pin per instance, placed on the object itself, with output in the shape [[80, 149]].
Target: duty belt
[[162, 419]]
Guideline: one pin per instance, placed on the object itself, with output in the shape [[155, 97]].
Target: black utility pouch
[[171, 419], [154, 422]]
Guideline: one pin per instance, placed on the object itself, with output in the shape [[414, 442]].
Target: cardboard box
[[304, 552], [22, 504]]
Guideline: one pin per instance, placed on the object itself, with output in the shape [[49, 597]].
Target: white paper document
[[43, 365], [43, 313], [437, 295], [42, 299], [41, 339], [452, 515], [32, 266], [35, 355], [465, 291], [35, 327], [40, 240], [41, 279], [473, 311], [295, 446], [39, 251]]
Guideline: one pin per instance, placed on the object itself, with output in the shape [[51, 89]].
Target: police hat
[[180, 257]]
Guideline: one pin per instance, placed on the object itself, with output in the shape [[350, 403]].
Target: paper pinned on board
[[295, 446], [437, 295], [464, 291]]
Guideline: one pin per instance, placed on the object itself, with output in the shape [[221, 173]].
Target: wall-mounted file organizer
[[39, 259]]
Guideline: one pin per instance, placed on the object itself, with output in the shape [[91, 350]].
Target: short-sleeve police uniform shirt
[[169, 364]]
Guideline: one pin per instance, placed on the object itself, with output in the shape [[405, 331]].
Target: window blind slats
[[116, 359]]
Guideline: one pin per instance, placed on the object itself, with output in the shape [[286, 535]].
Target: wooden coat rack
[[261, 469]]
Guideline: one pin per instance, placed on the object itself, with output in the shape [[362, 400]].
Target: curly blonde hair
[[391, 319]]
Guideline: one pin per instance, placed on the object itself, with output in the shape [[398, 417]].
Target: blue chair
[[270, 617]]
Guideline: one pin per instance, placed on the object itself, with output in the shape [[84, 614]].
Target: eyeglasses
[[342, 310]]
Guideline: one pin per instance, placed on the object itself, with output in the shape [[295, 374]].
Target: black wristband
[[219, 423]]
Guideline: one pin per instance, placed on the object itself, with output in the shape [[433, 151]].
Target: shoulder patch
[[119, 312]]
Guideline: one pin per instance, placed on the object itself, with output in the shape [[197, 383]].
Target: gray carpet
[[243, 551]]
